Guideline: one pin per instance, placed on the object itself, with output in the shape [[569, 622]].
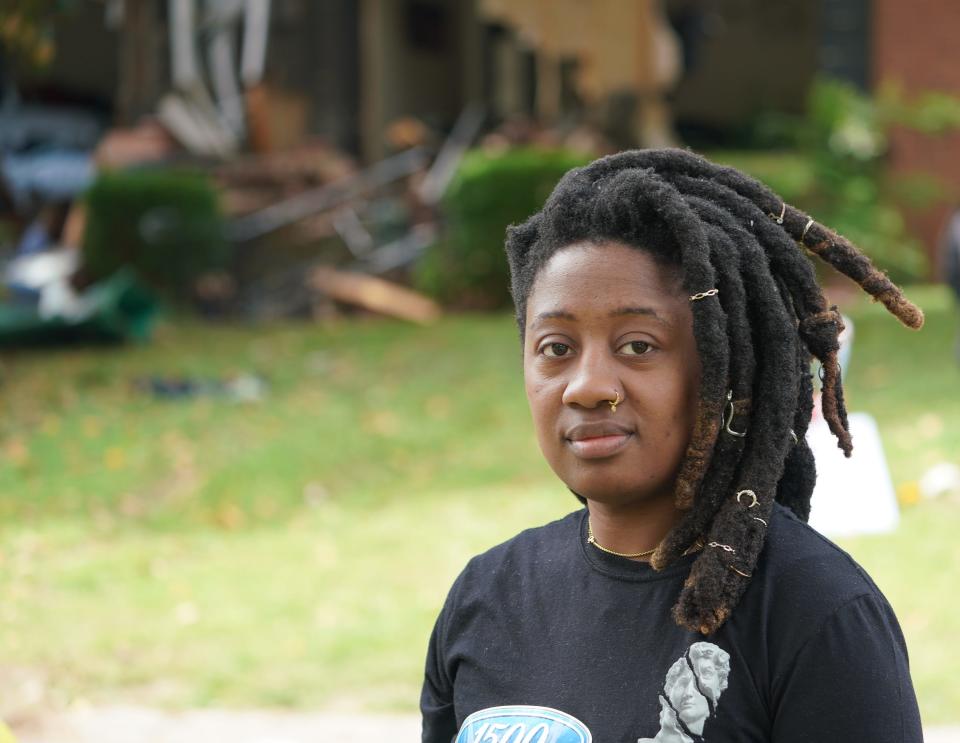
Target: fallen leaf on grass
[[92, 427], [114, 458], [381, 423], [908, 493], [51, 425], [230, 516], [438, 407], [17, 452], [930, 426], [186, 613], [315, 494]]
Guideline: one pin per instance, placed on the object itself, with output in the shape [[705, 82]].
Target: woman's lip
[[596, 429], [598, 447]]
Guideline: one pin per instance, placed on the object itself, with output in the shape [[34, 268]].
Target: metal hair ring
[[703, 295], [724, 547], [752, 495], [729, 417]]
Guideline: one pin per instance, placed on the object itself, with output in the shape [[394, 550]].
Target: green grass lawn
[[295, 552]]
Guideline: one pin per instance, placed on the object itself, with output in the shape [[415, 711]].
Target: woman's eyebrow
[[619, 312], [552, 315], [648, 311]]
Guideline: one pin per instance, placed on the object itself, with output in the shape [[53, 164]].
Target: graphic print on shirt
[[522, 723], [691, 693]]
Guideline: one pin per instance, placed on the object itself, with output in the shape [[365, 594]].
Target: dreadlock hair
[[756, 339]]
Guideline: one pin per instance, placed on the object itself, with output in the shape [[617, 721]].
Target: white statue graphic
[[691, 693]]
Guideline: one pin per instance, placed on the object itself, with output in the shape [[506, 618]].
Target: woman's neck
[[634, 527]]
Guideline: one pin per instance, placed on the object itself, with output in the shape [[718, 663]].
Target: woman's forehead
[[606, 279]]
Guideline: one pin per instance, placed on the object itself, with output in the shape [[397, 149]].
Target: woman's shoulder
[[810, 602], [532, 542], [827, 648], [805, 572], [529, 551]]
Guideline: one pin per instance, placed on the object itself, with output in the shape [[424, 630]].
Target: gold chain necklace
[[632, 556], [593, 540]]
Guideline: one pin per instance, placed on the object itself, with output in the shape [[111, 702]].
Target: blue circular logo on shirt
[[523, 724]]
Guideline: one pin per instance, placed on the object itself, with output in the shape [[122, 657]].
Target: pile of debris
[[310, 232], [371, 224]]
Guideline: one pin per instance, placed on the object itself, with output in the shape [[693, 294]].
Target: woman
[[669, 316]]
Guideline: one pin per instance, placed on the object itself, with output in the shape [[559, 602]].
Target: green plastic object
[[119, 310]]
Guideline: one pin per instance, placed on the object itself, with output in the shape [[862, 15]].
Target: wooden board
[[375, 295]]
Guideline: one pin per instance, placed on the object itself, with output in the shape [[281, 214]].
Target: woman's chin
[[615, 492]]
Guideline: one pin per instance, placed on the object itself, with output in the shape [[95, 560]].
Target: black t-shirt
[[581, 645]]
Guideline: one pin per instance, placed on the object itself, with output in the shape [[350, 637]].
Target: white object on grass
[[856, 495], [941, 480]]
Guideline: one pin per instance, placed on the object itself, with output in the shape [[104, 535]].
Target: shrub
[[467, 266], [166, 225]]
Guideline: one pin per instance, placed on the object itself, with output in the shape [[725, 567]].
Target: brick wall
[[917, 43]]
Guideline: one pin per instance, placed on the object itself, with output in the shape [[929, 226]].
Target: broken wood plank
[[376, 295], [465, 130], [327, 196]]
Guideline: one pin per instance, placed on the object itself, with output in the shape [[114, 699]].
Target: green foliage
[[932, 112], [467, 267], [166, 225]]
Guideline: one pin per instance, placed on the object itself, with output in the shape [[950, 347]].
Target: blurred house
[[346, 69], [642, 71]]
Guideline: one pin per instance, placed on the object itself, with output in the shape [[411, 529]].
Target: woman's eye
[[555, 349], [635, 348]]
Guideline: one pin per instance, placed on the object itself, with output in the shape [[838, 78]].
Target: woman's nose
[[593, 382]]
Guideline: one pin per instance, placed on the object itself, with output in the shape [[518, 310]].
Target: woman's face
[[603, 318]]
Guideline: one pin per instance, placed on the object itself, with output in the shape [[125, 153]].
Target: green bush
[[166, 225], [467, 266]]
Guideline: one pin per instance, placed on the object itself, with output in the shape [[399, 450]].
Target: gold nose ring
[[614, 403]]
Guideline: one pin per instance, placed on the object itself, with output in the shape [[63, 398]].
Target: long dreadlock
[[756, 339]]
